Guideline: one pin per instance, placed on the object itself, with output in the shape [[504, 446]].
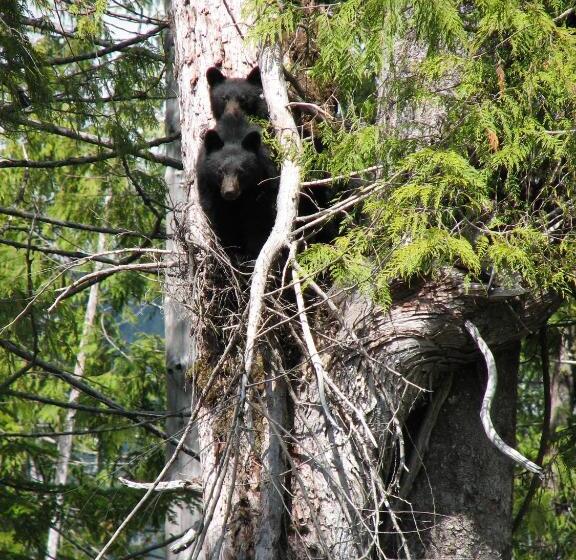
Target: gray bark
[[177, 324], [465, 486]]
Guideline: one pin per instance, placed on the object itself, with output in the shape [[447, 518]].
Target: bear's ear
[[214, 76], [212, 141], [252, 141], [254, 77]]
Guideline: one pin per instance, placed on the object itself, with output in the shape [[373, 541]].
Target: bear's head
[[233, 167], [229, 94]]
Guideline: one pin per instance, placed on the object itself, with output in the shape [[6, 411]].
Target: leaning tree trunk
[[282, 475], [65, 442]]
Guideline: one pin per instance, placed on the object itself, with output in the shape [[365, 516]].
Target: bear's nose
[[230, 189]]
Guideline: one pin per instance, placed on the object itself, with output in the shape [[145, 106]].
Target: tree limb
[[287, 205], [74, 225], [54, 251], [47, 25], [51, 164], [101, 274], [309, 339], [91, 409], [122, 45], [92, 138], [192, 486], [187, 539], [487, 403], [88, 390], [138, 506]]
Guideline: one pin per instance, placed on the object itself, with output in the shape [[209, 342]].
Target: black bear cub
[[238, 185], [230, 93]]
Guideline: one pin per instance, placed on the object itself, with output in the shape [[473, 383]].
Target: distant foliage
[[62, 98]]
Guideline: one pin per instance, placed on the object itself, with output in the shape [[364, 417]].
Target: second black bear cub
[[238, 186], [230, 93]]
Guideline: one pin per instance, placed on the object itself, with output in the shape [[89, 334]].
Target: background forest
[[84, 158]]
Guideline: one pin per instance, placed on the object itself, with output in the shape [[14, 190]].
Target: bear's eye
[[225, 97]]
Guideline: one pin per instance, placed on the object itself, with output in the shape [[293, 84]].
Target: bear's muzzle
[[230, 188]]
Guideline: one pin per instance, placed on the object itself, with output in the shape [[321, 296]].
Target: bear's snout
[[230, 188]]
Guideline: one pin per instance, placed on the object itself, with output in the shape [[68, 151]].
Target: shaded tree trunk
[[465, 485], [65, 443], [562, 378]]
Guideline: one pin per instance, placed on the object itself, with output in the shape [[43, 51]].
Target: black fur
[[238, 185], [228, 93]]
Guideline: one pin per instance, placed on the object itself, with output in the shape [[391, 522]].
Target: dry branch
[[487, 403], [192, 486], [142, 501], [311, 346], [287, 203], [117, 47], [101, 274], [74, 225]]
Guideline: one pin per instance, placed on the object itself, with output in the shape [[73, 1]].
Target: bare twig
[[423, 438], [74, 225], [330, 180], [101, 274], [136, 151], [91, 409], [144, 498], [312, 108], [358, 196], [311, 346], [55, 251], [110, 49]]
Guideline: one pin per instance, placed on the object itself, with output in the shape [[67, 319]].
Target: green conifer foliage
[[79, 118], [493, 189]]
